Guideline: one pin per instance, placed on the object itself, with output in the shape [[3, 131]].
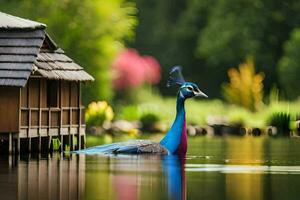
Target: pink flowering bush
[[131, 70]]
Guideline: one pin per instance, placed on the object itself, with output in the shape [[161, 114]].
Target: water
[[215, 168]]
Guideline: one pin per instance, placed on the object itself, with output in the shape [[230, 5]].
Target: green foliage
[[245, 87], [289, 65], [97, 113], [129, 112], [56, 144], [90, 32], [148, 120], [207, 37], [281, 120]]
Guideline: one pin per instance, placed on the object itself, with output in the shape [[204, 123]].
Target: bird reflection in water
[[174, 172], [136, 177]]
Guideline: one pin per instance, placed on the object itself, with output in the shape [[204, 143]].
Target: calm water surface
[[215, 168]]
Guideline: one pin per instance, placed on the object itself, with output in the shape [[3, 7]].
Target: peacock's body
[[175, 141]]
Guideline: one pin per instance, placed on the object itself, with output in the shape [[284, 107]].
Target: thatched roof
[[12, 22], [25, 49], [54, 64]]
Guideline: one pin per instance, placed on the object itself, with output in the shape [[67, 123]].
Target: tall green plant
[[289, 66], [91, 32], [245, 88]]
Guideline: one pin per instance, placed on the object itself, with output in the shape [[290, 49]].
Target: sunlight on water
[[215, 168], [242, 169]]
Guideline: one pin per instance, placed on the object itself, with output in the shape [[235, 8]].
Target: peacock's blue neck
[[172, 140]]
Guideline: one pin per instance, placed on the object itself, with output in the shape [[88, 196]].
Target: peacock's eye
[[189, 88]]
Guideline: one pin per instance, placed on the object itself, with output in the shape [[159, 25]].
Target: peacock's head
[[187, 89]]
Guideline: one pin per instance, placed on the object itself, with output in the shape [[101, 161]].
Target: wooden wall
[[9, 109], [50, 103]]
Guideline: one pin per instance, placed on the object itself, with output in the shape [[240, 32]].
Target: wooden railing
[[52, 117]]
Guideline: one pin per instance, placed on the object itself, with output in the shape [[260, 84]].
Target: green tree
[[209, 37], [90, 32], [289, 65]]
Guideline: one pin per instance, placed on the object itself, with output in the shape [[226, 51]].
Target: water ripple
[[242, 168]]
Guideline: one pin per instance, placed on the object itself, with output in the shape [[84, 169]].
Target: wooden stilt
[[10, 143], [13, 145], [79, 142], [40, 143], [69, 142], [62, 143], [18, 145], [49, 144], [29, 145], [72, 144], [84, 141]]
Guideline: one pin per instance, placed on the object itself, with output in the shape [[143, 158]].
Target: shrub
[[130, 113], [281, 120], [245, 87], [289, 67], [98, 112], [148, 120]]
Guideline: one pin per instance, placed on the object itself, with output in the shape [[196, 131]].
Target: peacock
[[175, 141]]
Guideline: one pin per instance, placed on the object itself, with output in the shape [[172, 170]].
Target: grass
[[203, 111]]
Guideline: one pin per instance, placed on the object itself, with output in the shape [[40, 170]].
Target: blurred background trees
[[206, 37], [90, 32], [209, 37]]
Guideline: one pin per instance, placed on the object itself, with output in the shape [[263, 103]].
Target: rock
[[272, 130], [256, 132], [124, 126], [95, 130], [191, 130]]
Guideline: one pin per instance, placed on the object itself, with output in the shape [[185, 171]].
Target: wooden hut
[[40, 96]]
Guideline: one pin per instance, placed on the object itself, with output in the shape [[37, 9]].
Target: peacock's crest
[[175, 76]]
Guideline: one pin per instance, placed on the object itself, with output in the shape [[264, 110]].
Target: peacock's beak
[[199, 93]]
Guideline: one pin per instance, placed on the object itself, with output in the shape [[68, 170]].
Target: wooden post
[[79, 117], [73, 142], [18, 144], [49, 143], [84, 141], [61, 143], [40, 143], [10, 141], [29, 145]]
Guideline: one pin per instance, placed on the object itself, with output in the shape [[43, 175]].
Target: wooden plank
[[34, 92], [43, 93], [19, 50], [29, 111], [9, 107], [60, 105], [12, 82], [64, 131], [14, 74], [34, 118], [33, 132], [11, 22], [20, 111], [79, 117], [74, 131], [43, 132], [16, 66], [51, 57], [54, 131], [23, 133], [22, 34], [17, 58], [40, 105], [24, 97], [20, 42]]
